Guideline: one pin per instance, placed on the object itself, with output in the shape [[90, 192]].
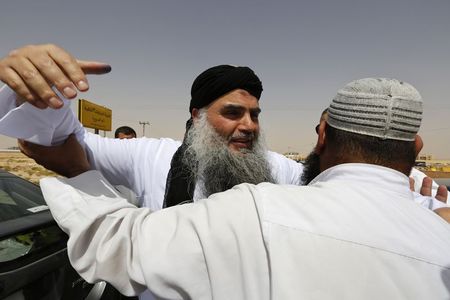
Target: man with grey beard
[[218, 168]]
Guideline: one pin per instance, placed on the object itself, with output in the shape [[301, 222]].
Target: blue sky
[[303, 51]]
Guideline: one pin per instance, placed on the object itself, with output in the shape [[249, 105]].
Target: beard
[[215, 166], [312, 168]]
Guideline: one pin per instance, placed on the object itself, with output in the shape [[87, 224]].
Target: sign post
[[94, 116]]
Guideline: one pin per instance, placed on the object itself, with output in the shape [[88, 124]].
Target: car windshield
[[24, 219], [19, 197]]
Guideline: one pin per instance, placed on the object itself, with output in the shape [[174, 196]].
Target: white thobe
[[353, 233]]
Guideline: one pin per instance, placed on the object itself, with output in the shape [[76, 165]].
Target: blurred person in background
[[125, 132]]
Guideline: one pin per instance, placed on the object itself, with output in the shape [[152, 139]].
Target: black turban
[[219, 80]]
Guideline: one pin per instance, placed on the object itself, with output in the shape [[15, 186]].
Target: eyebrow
[[236, 106]]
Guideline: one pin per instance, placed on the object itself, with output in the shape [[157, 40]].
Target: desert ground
[[20, 165]]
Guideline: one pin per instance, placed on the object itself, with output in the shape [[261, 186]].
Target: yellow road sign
[[94, 116]]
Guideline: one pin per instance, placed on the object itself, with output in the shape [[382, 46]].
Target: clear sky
[[303, 51]]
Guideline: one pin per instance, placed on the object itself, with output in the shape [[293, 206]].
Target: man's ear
[[195, 114], [321, 140], [419, 144]]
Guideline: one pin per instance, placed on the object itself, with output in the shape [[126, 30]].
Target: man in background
[[125, 132]]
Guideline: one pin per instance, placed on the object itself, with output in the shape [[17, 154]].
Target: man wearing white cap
[[353, 233]]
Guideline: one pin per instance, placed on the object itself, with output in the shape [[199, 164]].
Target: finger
[[411, 184], [94, 67], [69, 65], [38, 103], [15, 82], [442, 193], [36, 83], [427, 183], [35, 101], [53, 74], [24, 78]]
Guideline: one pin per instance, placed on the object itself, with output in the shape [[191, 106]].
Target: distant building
[[425, 157], [427, 163], [294, 156]]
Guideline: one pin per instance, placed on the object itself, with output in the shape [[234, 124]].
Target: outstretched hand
[[68, 159], [441, 195], [31, 71], [427, 185]]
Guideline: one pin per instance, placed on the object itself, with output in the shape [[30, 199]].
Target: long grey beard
[[216, 166]]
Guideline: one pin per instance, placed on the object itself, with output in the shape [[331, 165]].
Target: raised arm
[[29, 73]]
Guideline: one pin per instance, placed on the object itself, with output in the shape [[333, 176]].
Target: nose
[[248, 124]]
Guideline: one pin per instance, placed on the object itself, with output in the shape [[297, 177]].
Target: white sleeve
[[285, 170], [40, 126], [135, 163], [193, 251]]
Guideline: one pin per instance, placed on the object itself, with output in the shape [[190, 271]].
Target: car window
[[19, 198], [24, 219], [30, 243]]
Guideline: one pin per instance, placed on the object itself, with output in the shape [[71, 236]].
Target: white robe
[[353, 233]]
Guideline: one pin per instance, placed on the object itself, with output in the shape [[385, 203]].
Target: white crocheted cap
[[381, 107]]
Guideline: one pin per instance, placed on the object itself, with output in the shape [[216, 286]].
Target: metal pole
[[143, 126]]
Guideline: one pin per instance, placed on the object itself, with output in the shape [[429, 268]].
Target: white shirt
[[353, 233]]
